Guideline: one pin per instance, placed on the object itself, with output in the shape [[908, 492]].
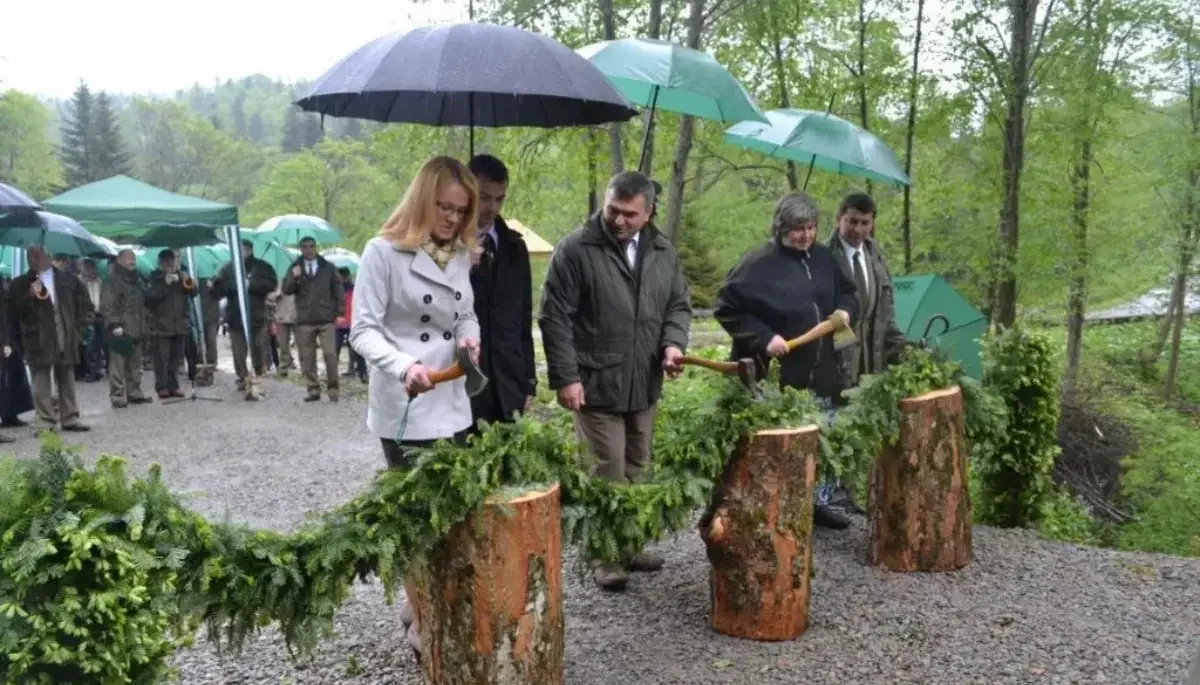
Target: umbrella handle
[[188, 283]]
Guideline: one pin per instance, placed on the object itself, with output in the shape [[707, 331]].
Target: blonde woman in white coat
[[413, 307]]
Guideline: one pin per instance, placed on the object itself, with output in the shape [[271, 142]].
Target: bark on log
[[488, 600], [758, 531], [920, 505]]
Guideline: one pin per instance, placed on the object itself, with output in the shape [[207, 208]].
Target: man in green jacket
[[167, 302], [260, 281], [123, 307], [317, 287], [615, 318]]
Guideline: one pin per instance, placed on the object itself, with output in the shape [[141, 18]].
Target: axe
[[743, 368], [462, 366], [843, 336]]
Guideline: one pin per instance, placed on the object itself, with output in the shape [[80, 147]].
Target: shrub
[[90, 566], [1015, 472], [700, 268]]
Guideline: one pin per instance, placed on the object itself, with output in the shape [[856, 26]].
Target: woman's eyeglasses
[[447, 208]]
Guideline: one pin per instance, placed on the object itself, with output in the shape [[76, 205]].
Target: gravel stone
[[1026, 610]]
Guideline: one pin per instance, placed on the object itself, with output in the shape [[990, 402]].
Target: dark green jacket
[[880, 340], [261, 280], [604, 324], [319, 298], [38, 318], [123, 303], [167, 305]]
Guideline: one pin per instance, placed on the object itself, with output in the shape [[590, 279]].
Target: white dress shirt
[[310, 265], [851, 251], [631, 249], [47, 279]]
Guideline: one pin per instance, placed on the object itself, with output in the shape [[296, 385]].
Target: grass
[[1161, 479]]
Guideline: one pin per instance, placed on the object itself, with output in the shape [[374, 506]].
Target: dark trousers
[[274, 351], [93, 357], [358, 364], [191, 355], [168, 355], [403, 455]]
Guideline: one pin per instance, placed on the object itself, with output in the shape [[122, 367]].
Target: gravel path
[[1027, 611]]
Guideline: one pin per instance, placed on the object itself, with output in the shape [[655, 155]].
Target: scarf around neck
[[441, 254]]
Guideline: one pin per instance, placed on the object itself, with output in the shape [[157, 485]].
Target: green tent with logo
[[929, 307]]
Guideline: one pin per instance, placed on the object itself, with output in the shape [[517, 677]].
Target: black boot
[[827, 517]]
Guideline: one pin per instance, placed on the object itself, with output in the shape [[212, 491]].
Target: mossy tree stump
[[758, 531], [920, 506], [488, 600]]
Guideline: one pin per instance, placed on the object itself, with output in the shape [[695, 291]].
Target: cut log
[[488, 600], [758, 531], [920, 505]]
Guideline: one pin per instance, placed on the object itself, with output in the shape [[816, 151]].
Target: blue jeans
[[828, 485]]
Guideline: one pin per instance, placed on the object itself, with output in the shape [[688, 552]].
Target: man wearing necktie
[[615, 319], [503, 287], [880, 340], [320, 300]]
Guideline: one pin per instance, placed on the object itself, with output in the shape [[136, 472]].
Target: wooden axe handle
[[452, 372], [819, 331], [727, 368]]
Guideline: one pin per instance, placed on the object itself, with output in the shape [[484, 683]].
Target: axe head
[[748, 375], [476, 381], [844, 338]]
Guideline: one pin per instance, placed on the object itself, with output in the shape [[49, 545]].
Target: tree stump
[[488, 600], [920, 504], [758, 531]]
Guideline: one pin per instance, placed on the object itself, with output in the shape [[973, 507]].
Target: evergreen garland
[[63, 526]]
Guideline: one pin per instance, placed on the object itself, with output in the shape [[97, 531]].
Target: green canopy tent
[[920, 299], [127, 210]]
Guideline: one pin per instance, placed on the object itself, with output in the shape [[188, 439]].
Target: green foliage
[[700, 267], [871, 420], [1019, 366], [90, 565], [27, 158], [1066, 518]]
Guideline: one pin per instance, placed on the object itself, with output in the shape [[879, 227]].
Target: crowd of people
[[70, 324]]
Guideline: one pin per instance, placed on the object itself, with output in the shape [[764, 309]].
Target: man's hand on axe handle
[[672, 361], [416, 380], [844, 316], [472, 346], [777, 347]]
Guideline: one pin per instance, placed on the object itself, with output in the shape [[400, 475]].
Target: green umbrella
[[289, 229], [662, 75], [340, 259], [55, 233], [820, 139]]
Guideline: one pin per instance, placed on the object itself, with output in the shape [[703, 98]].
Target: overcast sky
[[128, 46]]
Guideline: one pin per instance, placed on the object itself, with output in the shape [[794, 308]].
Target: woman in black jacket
[[779, 291]]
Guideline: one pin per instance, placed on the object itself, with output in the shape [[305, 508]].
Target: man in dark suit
[[503, 289]]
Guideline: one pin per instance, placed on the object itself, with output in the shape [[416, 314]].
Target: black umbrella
[[468, 75], [13, 200]]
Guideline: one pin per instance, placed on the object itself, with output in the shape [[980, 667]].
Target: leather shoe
[[827, 517], [140, 400], [611, 577], [76, 427], [646, 562]]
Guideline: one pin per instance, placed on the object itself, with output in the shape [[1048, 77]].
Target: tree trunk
[[653, 30], [593, 164], [616, 147], [1079, 264], [785, 100], [683, 144], [1178, 314], [1004, 307], [758, 531], [488, 601], [862, 70], [910, 133], [920, 505]]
